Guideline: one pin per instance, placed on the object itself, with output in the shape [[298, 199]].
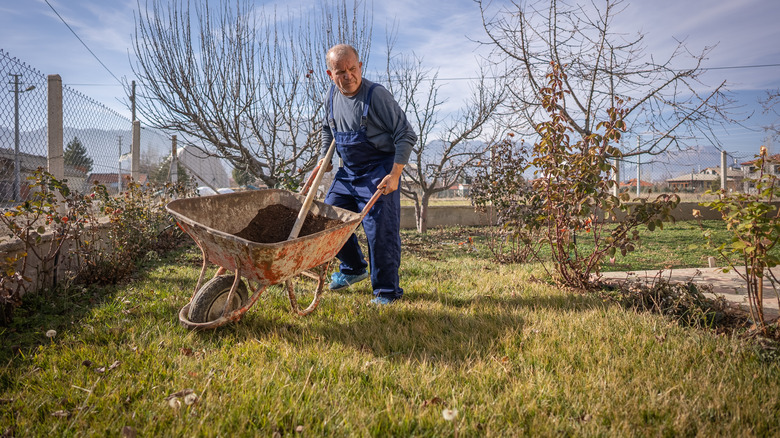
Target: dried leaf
[[181, 393], [186, 351], [299, 429], [174, 403], [87, 363], [433, 401], [61, 414], [101, 370], [129, 432], [114, 365]]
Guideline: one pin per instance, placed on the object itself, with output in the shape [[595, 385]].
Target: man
[[374, 140]]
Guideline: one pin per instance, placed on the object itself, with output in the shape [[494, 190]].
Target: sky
[[744, 33]]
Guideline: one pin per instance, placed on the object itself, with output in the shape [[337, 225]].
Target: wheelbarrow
[[213, 221]]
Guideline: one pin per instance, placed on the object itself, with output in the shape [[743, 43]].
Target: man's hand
[[327, 169], [390, 183]]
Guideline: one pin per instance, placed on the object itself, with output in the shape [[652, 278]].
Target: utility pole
[[132, 100], [17, 163], [638, 166], [616, 187]]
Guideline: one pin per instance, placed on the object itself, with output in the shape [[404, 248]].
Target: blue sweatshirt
[[387, 127]]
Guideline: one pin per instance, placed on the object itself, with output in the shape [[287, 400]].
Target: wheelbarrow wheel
[[209, 301]]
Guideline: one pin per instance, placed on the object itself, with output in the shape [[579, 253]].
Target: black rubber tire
[[209, 301]]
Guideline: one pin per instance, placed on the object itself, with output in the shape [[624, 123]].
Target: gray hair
[[338, 51]]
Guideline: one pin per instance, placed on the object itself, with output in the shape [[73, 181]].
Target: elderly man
[[374, 140]]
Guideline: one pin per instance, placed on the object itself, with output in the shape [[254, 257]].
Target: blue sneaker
[[340, 281], [381, 301]]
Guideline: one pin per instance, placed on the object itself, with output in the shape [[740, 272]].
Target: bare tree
[[447, 146], [664, 105], [242, 84], [770, 103]]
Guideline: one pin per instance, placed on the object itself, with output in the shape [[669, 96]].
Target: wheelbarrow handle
[[309, 181], [370, 203], [316, 171]]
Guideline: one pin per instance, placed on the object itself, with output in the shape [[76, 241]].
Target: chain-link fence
[[23, 134], [689, 173], [97, 144], [96, 139]]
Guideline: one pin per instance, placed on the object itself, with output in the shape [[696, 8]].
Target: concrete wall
[[449, 215], [56, 270], [684, 212]]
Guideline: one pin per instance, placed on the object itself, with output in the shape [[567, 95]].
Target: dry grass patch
[[511, 353]]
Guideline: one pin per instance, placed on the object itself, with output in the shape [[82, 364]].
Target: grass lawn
[[678, 245], [513, 354]]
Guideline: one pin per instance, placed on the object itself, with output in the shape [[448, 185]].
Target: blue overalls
[[364, 167]]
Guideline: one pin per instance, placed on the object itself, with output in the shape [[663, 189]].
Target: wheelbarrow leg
[[202, 272], [236, 280], [323, 272]]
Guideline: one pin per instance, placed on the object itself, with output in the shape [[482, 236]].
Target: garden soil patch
[[273, 224]]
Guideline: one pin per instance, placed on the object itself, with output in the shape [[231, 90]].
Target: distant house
[[750, 171], [457, 190], [29, 163], [734, 177], [694, 181], [631, 184], [706, 179]]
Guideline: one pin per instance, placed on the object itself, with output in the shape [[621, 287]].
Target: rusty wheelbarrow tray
[[212, 221]]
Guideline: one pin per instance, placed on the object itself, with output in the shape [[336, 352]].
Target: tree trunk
[[421, 214]]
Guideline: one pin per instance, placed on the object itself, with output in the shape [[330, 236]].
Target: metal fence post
[[616, 187], [174, 162], [56, 158], [135, 156], [723, 171]]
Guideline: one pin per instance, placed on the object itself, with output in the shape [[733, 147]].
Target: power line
[[740, 66], [82, 41], [725, 67]]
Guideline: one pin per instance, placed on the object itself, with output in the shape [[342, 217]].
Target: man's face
[[346, 73]]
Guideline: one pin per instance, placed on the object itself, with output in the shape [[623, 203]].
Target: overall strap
[[331, 119], [366, 104]]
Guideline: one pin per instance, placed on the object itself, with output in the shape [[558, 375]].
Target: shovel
[[315, 183]]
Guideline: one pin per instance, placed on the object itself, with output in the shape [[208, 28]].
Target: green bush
[[570, 195], [135, 222], [754, 224]]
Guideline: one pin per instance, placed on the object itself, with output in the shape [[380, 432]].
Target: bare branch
[[446, 147], [240, 83], [665, 104]]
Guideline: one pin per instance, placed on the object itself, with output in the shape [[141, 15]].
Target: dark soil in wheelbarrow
[[273, 224]]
